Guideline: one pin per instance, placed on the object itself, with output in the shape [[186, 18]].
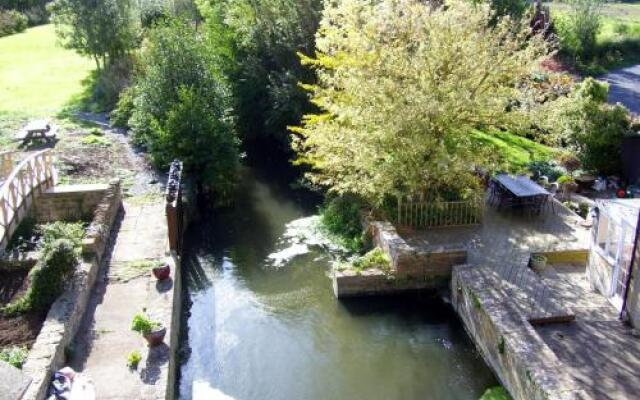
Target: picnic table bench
[[39, 129]]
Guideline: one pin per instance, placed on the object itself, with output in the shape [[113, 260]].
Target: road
[[625, 87]]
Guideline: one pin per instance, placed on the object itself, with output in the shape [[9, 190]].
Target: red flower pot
[[162, 272], [156, 336]]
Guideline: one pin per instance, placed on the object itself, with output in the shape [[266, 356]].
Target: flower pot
[[538, 262], [162, 272], [156, 336]]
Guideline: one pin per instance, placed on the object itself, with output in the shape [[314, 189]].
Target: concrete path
[[625, 87], [123, 289]]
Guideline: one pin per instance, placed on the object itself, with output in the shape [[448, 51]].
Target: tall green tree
[[182, 105], [261, 39], [105, 30], [401, 85]]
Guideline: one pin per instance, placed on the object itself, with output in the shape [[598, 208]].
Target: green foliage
[[260, 40], [53, 231], [496, 393], [375, 258], [48, 278], [579, 29], [341, 217], [593, 129], [182, 106], [14, 355], [94, 140], [124, 108], [402, 86], [512, 8], [133, 359], [105, 30], [545, 168], [143, 324], [11, 22]]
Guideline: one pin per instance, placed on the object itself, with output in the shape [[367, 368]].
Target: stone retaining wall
[[523, 362], [411, 268], [62, 322], [105, 213], [69, 202]]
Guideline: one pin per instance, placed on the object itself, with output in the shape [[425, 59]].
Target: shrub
[[341, 217], [591, 128], [48, 278], [569, 162], [14, 355], [182, 107], [375, 258], [72, 231], [579, 29], [37, 15], [133, 359], [544, 168], [124, 108], [11, 22]]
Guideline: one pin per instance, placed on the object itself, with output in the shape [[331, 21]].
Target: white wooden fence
[[6, 163], [28, 179], [420, 213]]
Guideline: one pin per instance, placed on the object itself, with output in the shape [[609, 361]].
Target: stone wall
[[519, 357], [411, 268], [104, 215], [47, 354], [69, 202], [62, 322]]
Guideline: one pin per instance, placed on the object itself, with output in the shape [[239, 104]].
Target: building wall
[[69, 202], [599, 272], [633, 298]]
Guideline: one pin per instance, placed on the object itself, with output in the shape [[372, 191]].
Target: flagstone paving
[[105, 339]]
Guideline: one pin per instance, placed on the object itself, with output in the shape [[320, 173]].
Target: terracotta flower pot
[[156, 336], [162, 272]]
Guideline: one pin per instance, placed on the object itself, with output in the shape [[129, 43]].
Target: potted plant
[[538, 262], [151, 330], [161, 271]]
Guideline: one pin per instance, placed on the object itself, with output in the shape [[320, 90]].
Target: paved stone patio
[[600, 352], [105, 339], [507, 238]]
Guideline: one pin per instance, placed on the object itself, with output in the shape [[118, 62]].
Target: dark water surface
[[262, 330]]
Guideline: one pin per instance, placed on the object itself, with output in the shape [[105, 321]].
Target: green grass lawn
[[37, 76], [515, 151], [619, 37]]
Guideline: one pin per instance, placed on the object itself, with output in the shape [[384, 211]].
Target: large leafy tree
[[105, 30], [181, 105], [261, 39], [401, 85]]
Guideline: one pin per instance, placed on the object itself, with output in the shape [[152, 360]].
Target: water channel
[[262, 322]]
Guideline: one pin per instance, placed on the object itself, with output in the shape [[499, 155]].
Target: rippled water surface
[[264, 325]]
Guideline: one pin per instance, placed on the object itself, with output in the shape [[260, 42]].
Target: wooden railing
[[6, 163], [30, 178], [437, 213], [173, 207]]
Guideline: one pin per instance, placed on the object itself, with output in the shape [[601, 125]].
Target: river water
[[263, 324]]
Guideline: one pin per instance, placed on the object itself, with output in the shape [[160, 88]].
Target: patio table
[[521, 186]]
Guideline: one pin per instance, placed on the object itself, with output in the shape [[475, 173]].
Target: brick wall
[[69, 202]]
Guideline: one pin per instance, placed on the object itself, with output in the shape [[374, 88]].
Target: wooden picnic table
[[38, 129], [521, 186]]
